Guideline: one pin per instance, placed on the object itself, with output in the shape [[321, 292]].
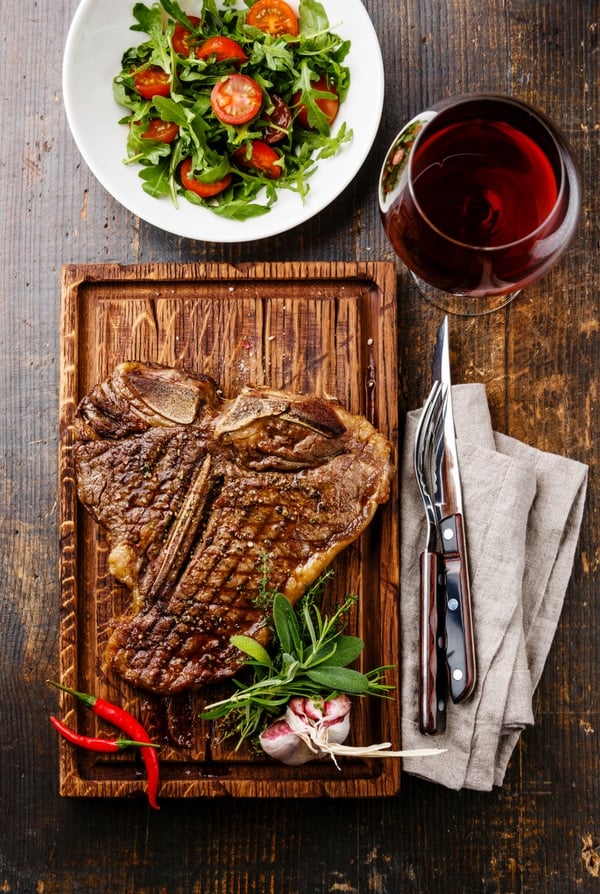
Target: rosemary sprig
[[308, 657]]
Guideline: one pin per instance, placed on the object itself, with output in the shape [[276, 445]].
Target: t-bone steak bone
[[194, 490]]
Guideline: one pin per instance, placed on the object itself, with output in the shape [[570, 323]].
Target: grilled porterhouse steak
[[193, 490]]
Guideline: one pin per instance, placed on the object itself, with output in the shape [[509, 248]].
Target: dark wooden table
[[539, 360]]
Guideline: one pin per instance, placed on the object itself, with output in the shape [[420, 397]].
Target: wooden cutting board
[[313, 327]]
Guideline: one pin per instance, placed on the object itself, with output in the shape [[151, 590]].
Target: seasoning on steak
[[193, 490]]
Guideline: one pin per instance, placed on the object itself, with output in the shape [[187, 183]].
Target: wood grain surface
[[320, 328], [539, 360]]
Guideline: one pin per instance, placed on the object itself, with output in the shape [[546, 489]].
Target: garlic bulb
[[313, 729], [294, 739]]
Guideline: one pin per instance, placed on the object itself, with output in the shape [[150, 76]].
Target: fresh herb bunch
[[283, 66], [308, 657]]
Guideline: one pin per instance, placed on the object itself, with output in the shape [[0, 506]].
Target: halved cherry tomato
[[165, 131], [222, 48], [279, 120], [328, 105], [204, 190], [274, 17], [236, 99], [152, 81], [181, 37], [261, 158]]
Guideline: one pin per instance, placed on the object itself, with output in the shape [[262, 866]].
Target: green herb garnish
[[308, 657]]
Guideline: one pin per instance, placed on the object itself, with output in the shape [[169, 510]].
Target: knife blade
[[460, 646]]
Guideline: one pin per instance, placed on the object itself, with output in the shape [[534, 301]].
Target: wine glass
[[479, 196]]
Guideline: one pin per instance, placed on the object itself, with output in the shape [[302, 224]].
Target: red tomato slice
[[181, 37], [236, 99], [152, 81], [274, 17], [261, 158], [328, 105], [222, 48], [204, 190], [165, 131]]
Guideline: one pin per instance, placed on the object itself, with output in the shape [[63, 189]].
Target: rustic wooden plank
[[318, 328], [526, 837]]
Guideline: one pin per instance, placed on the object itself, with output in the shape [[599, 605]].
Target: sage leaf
[[286, 625], [250, 647], [342, 679], [348, 648]]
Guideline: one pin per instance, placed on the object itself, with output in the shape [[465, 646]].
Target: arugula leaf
[[169, 110], [276, 55], [312, 18], [177, 14], [240, 210], [156, 179], [149, 19], [315, 115], [327, 146]]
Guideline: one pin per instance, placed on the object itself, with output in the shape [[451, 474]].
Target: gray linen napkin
[[523, 512]]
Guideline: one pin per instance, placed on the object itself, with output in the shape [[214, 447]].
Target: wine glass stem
[[463, 305]]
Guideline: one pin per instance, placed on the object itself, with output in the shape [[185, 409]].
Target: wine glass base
[[463, 305]]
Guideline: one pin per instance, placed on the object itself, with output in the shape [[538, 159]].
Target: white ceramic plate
[[99, 35]]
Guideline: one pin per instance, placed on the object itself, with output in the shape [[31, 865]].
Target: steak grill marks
[[193, 491]]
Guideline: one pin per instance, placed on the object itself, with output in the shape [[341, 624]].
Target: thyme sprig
[[308, 657]]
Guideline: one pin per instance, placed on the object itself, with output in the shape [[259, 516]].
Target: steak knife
[[460, 646]]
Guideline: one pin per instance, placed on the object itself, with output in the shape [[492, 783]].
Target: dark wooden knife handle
[[460, 646], [432, 663]]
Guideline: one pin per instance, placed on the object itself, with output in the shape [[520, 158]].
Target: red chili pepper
[[126, 722], [109, 746]]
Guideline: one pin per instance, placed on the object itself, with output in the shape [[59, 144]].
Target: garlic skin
[[279, 741], [307, 726], [332, 716], [313, 729]]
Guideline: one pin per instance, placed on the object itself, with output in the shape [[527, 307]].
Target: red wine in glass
[[480, 196]]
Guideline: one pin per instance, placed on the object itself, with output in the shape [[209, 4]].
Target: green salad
[[229, 106]]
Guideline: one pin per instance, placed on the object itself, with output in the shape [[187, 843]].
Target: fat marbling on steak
[[193, 490]]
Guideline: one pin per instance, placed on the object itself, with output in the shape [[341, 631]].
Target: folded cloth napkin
[[523, 512]]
